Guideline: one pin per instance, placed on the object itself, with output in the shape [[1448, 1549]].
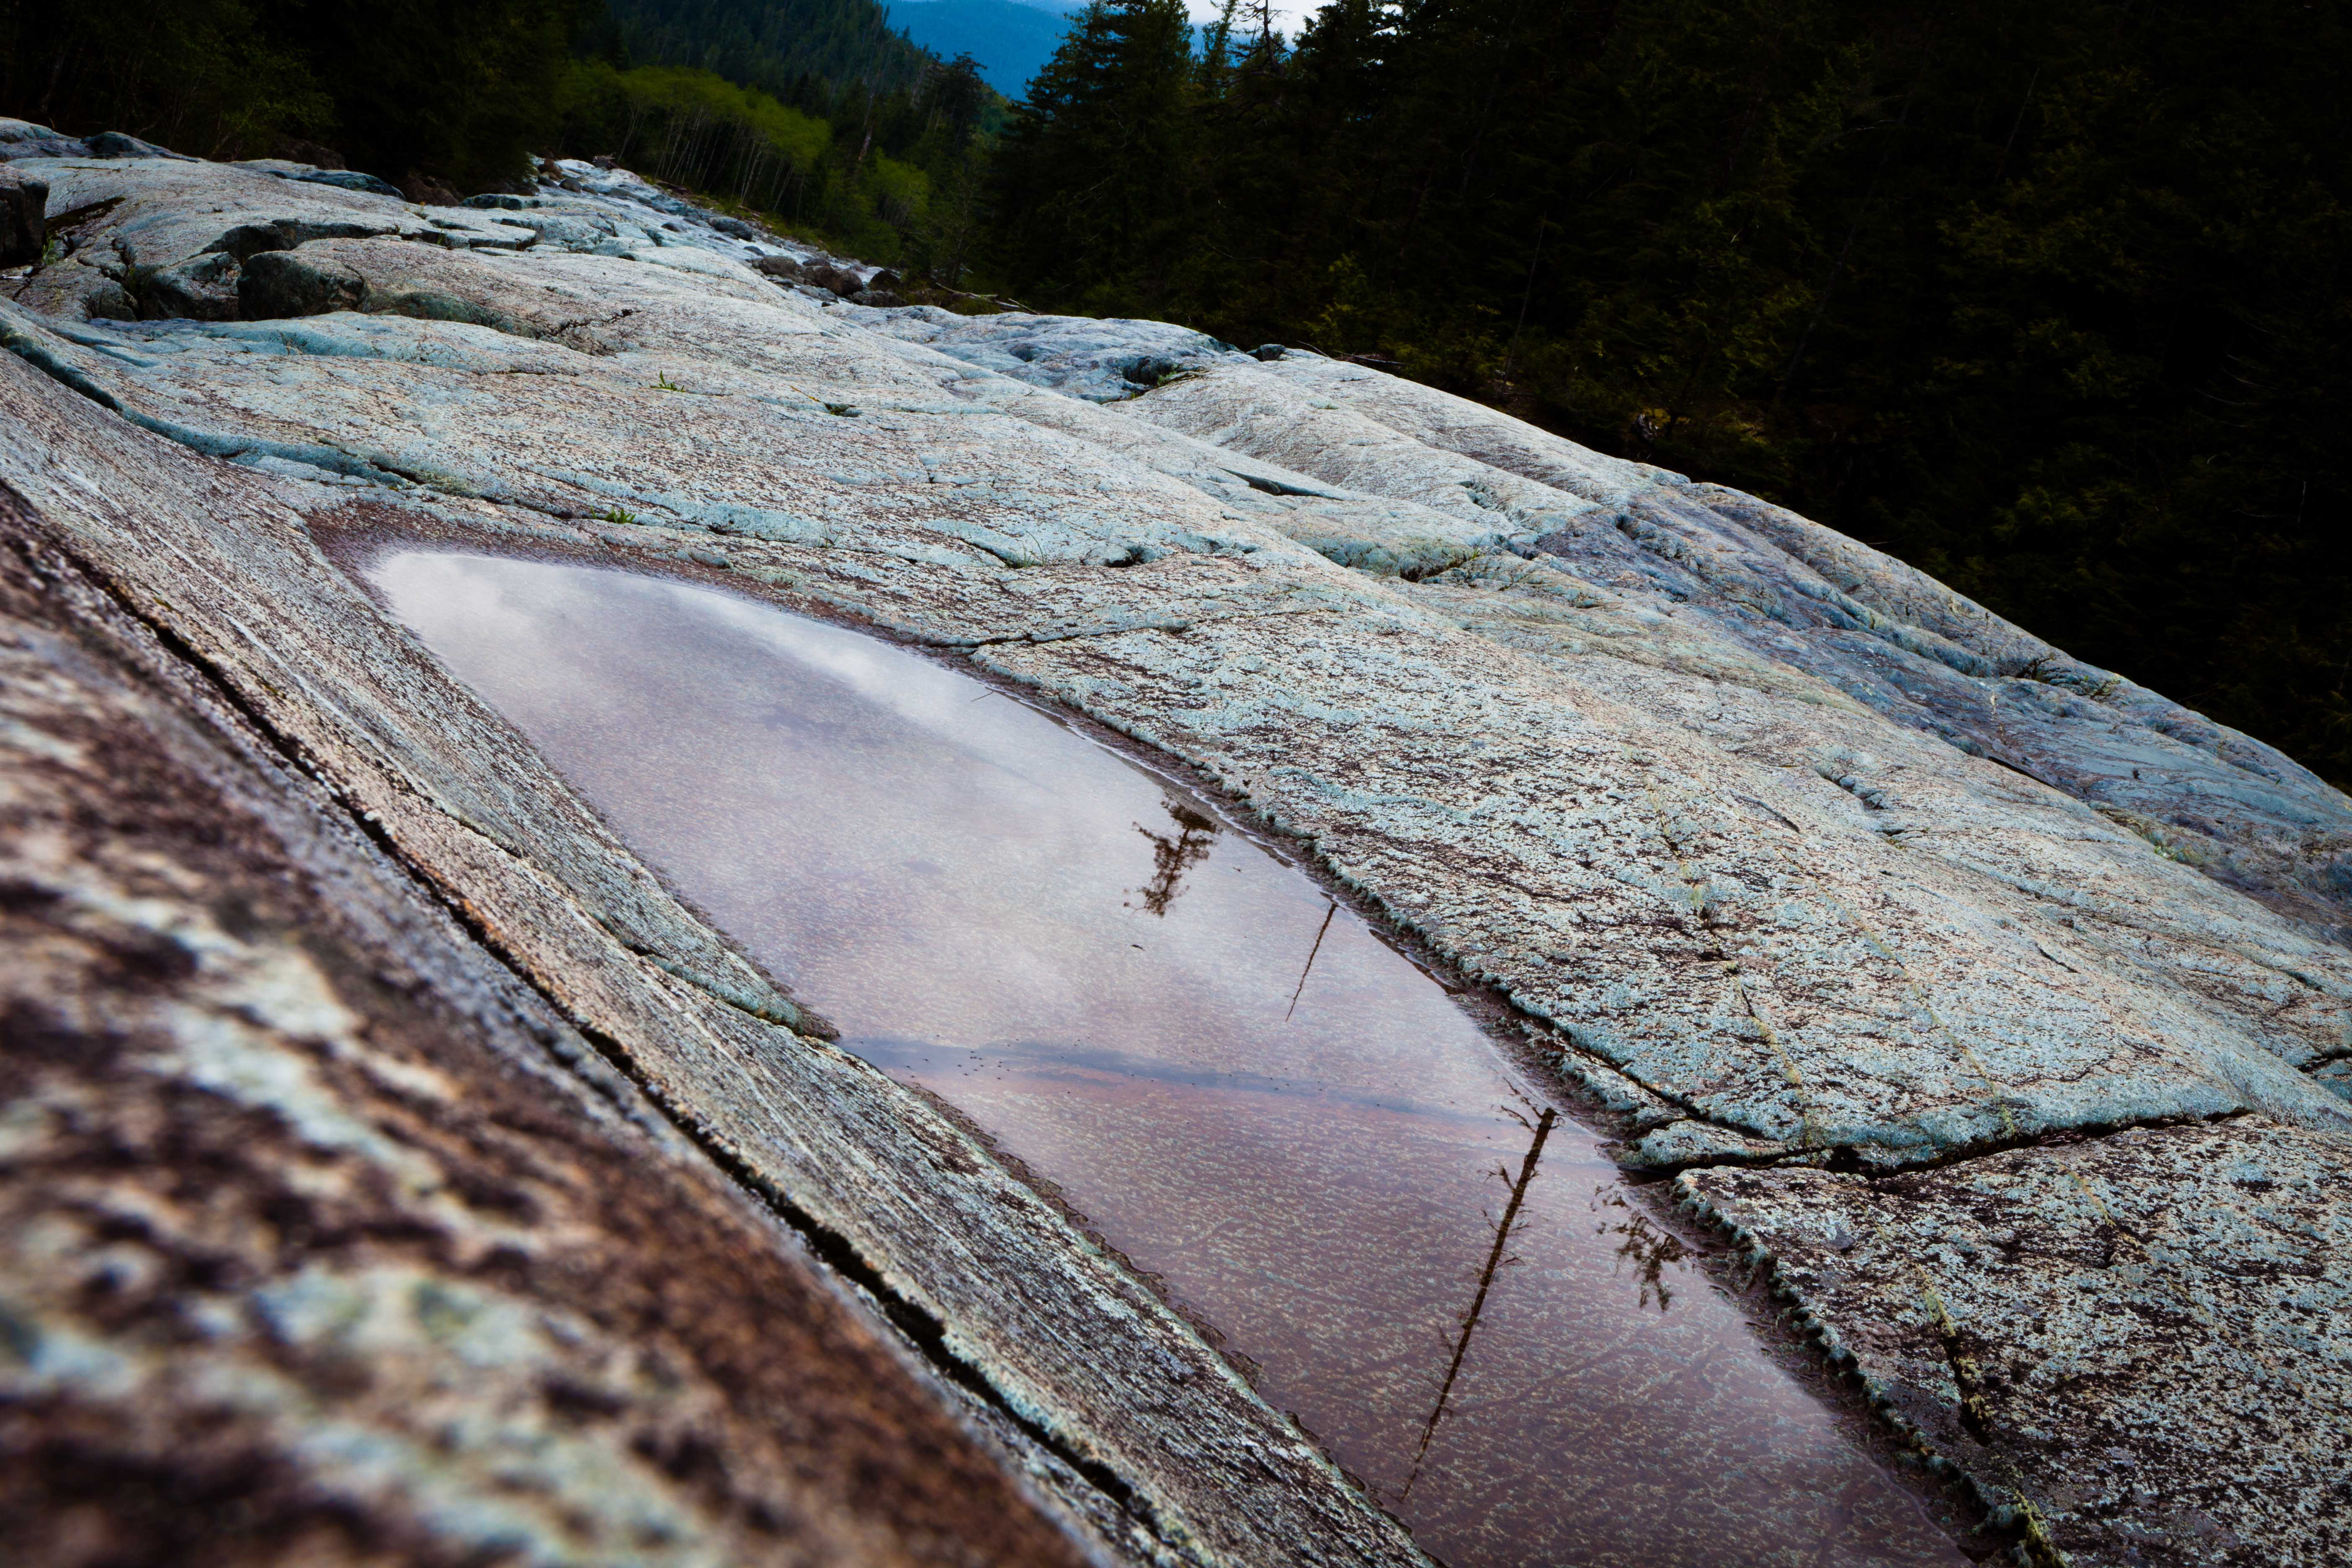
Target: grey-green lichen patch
[[1824, 871], [322, 1238], [2144, 1339], [1118, 1404]]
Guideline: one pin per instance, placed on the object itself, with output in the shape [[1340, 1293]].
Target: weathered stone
[[24, 228], [1687, 780], [354, 180], [278, 283], [426, 191], [2145, 1339], [840, 280], [108, 301], [120, 144], [203, 287], [115, 215], [23, 138], [1838, 954], [321, 1235], [1185, 1463]]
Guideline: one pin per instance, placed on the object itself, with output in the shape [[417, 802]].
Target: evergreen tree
[[1093, 172], [790, 50]]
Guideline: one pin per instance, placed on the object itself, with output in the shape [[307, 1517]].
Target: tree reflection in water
[[1172, 857], [1649, 1248]]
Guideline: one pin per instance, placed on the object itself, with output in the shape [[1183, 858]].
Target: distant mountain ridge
[[1012, 39]]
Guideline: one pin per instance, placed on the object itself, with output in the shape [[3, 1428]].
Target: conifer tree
[[1094, 174]]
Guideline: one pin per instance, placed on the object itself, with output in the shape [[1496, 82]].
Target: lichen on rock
[[1880, 918]]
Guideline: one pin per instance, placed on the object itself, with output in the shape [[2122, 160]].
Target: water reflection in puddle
[[1240, 1085]]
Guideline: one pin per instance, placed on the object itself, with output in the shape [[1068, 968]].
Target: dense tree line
[[813, 111], [459, 90], [462, 90], [2049, 296], [900, 176], [889, 175], [783, 47]]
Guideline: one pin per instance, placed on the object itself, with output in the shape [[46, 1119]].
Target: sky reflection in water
[[1117, 985]]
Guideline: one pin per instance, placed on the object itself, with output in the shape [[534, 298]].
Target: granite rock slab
[[1828, 881], [324, 1238], [2142, 1341]]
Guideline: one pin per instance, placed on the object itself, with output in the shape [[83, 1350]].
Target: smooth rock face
[[1800, 857], [323, 1238], [2148, 1335], [23, 138]]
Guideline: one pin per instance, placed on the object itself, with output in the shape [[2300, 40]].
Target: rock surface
[[323, 1238], [2150, 1335], [24, 205], [1797, 859]]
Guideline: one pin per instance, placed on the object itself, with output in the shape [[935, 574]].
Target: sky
[[1013, 40], [1287, 17]]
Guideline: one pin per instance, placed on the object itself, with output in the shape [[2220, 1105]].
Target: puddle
[[1235, 1080]]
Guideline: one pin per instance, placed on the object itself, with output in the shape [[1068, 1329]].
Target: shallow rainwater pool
[[1240, 1085]]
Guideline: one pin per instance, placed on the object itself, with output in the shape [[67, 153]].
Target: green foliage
[[872, 196], [694, 128], [790, 49], [465, 90], [2044, 297], [903, 123]]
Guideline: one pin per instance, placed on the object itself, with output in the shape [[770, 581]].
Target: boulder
[[352, 180], [840, 280], [425, 190], [311, 153], [109, 301], [117, 145], [276, 284], [880, 299], [204, 289], [1149, 370], [23, 138], [783, 269], [884, 280], [24, 201]]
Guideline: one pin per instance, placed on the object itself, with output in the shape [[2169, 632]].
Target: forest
[[2048, 299]]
